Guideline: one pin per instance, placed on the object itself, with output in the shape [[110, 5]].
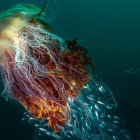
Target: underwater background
[[110, 30]]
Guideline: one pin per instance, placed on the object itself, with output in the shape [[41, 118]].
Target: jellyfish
[[54, 79]]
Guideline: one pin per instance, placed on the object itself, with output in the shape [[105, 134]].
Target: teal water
[[110, 30]]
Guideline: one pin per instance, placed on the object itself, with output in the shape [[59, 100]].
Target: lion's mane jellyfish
[[53, 79]]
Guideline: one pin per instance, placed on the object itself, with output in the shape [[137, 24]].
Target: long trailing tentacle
[[42, 10]]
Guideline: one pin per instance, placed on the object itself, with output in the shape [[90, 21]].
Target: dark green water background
[[110, 30]]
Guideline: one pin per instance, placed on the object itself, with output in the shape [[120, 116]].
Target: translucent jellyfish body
[[54, 79]]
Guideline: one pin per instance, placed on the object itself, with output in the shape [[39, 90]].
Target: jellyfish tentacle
[[42, 10]]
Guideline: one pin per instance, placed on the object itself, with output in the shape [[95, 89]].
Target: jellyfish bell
[[24, 10], [53, 78], [14, 19]]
